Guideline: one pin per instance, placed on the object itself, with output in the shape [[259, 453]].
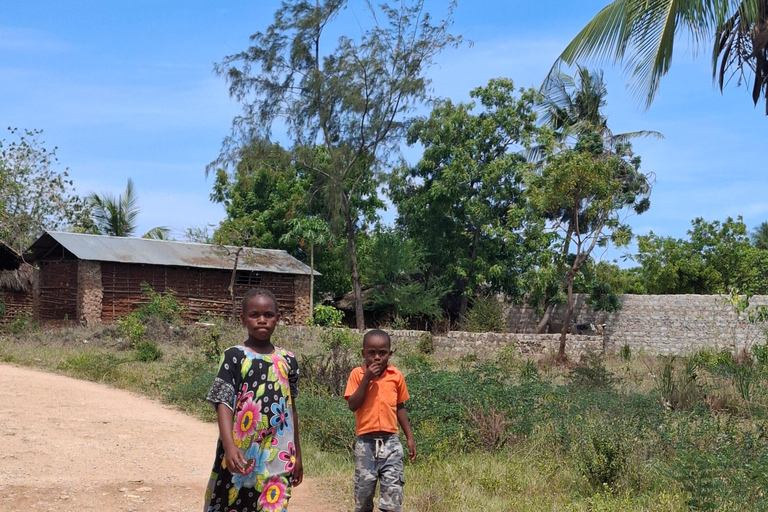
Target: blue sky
[[127, 89]]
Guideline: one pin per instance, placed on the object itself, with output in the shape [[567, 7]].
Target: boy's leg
[[391, 476], [366, 475]]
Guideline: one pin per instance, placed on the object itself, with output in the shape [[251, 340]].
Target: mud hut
[[94, 278]]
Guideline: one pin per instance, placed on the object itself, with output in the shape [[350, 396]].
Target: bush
[[625, 353], [326, 316], [591, 372], [147, 351], [132, 329], [162, 306], [426, 344], [486, 315], [326, 374], [327, 421], [603, 453]]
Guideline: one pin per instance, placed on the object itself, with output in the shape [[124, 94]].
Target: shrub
[[625, 353], [326, 316], [327, 421], [132, 329], [426, 344], [485, 315], [211, 342], [591, 372], [326, 374], [147, 351], [678, 387], [603, 453], [162, 306]]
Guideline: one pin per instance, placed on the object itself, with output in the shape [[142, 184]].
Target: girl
[[258, 456]]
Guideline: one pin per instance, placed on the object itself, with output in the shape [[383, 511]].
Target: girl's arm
[[235, 461], [298, 467], [402, 418]]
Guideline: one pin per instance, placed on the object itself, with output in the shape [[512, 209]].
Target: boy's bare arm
[[357, 398], [402, 418]]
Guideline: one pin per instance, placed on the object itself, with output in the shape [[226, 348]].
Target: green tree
[[309, 232], [35, 196], [463, 201], [265, 190], [393, 268], [352, 100], [585, 193], [760, 236], [641, 35], [717, 258]]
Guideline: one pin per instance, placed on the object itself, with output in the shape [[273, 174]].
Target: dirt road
[[71, 445]]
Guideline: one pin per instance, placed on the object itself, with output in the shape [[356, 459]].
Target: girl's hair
[[254, 292]]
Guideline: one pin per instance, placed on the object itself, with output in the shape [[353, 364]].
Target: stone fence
[[661, 324], [458, 344]]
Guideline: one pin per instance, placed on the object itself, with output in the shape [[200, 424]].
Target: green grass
[[644, 434]]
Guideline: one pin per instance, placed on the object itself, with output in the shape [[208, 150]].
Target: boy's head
[[377, 347], [260, 313]]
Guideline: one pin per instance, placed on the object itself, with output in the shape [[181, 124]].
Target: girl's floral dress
[[259, 388]]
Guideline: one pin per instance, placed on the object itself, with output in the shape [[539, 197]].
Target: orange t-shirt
[[379, 410]]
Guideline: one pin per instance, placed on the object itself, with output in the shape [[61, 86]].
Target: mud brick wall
[[301, 312]]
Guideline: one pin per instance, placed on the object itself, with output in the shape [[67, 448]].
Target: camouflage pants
[[379, 459]]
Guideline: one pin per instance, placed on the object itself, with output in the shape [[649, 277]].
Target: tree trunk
[[311, 281], [359, 315], [232, 285], [545, 319], [567, 320]]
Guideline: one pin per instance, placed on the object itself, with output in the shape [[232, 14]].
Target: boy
[[375, 393]]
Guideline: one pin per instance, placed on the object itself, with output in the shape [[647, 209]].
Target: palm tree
[[572, 106], [117, 216], [640, 34], [760, 236]]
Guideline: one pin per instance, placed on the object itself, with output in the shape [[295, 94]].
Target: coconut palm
[[571, 106], [641, 35], [117, 216]]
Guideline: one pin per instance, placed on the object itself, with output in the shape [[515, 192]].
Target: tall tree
[[351, 99], [585, 193], [35, 196], [463, 201], [641, 35], [573, 108]]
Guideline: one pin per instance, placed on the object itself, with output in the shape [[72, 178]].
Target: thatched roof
[[9, 259], [19, 280]]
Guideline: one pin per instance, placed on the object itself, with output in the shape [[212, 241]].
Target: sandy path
[[71, 445]]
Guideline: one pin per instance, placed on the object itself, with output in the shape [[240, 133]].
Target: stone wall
[[301, 312], [660, 324], [459, 344], [90, 292]]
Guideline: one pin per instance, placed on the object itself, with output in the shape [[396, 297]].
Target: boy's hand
[[411, 449], [374, 370]]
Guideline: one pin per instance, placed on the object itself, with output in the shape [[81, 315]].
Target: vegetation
[[344, 108], [117, 216], [35, 196], [630, 433], [642, 35]]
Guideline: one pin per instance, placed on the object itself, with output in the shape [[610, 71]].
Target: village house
[[93, 278]]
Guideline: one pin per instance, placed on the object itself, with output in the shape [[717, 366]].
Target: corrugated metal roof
[[162, 252]]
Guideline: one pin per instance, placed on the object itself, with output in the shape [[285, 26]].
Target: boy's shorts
[[379, 459]]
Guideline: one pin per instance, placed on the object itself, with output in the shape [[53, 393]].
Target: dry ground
[[71, 445]]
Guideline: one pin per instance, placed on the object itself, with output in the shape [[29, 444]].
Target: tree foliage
[[716, 258], [352, 99], [463, 201], [642, 35], [35, 196]]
